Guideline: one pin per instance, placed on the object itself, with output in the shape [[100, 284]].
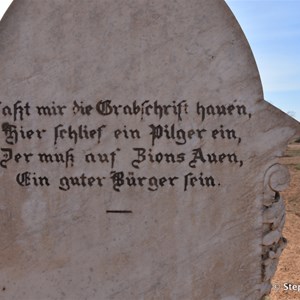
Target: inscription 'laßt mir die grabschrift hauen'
[[163, 130]]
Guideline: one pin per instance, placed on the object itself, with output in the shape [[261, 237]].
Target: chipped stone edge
[[277, 179]]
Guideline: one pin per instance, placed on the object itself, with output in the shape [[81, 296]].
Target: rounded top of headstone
[[136, 140], [162, 49]]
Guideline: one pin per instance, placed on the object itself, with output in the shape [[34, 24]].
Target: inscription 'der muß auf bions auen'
[[164, 129]]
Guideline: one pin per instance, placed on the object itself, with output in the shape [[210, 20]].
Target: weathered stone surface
[[275, 212], [271, 269], [271, 238], [137, 153], [278, 251]]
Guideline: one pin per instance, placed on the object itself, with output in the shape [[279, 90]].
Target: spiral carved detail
[[277, 179]]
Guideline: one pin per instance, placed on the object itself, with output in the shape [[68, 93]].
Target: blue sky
[[272, 28]]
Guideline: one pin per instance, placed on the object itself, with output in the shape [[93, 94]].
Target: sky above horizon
[[272, 28]]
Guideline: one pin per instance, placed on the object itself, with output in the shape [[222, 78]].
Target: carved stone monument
[[139, 159]]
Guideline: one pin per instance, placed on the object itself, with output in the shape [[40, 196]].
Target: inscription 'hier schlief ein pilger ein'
[[165, 128]]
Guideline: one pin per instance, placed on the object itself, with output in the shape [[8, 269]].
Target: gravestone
[[139, 159]]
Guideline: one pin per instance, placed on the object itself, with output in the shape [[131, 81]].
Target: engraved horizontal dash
[[119, 211]]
